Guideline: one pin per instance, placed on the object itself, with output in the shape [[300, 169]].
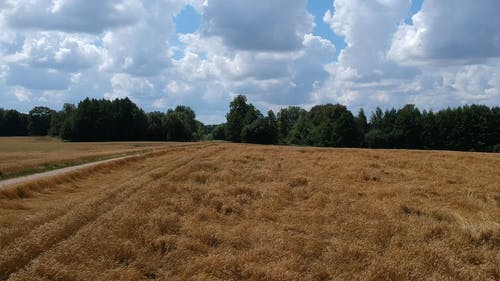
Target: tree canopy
[[466, 128], [39, 121], [13, 123], [470, 128]]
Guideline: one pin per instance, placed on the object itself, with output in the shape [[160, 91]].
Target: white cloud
[[3, 71], [62, 54], [176, 87], [159, 103], [124, 85], [258, 25], [142, 48], [269, 78], [52, 96], [363, 76], [461, 30], [89, 16], [443, 59], [57, 50], [367, 27], [37, 78], [76, 77], [22, 94]]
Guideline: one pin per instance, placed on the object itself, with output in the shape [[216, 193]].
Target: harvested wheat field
[[212, 211], [27, 155]]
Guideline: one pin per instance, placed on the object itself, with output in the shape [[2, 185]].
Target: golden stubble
[[21, 154], [213, 211]]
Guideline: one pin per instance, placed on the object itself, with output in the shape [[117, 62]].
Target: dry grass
[[239, 212], [25, 155]]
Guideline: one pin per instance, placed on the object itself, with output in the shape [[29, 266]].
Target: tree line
[[466, 128], [103, 120]]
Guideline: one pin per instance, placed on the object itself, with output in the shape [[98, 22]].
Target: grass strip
[[46, 167]]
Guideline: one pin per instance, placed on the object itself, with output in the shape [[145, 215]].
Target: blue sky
[[318, 8], [161, 53], [188, 20], [416, 5]]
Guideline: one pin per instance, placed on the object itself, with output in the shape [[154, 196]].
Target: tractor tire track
[[24, 250]]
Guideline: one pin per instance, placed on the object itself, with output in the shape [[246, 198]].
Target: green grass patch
[[55, 166]]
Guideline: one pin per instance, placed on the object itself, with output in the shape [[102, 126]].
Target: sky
[[202, 53]]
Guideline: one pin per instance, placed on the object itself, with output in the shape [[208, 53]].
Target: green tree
[[240, 115], [88, 122], [301, 131], [377, 138], [377, 119], [361, 127], [430, 132], [180, 124], [448, 124], [39, 121], [407, 129], [494, 128], [287, 118], [345, 133], [333, 125], [381, 132], [2, 122], [156, 127], [104, 120], [476, 120], [128, 121], [59, 118], [261, 130], [219, 132], [13, 123]]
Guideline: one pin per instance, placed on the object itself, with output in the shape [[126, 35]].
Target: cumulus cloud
[[142, 48], [125, 85], [445, 57], [22, 94], [7, 36], [268, 78], [3, 71], [363, 75], [90, 16], [468, 31], [367, 27], [54, 56], [37, 78], [57, 51], [176, 87], [258, 25]]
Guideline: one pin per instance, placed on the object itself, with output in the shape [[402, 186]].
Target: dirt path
[[98, 197], [58, 172]]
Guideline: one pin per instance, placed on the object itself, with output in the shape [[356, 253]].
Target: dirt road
[[58, 172]]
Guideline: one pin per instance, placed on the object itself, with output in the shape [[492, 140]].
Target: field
[[213, 211], [27, 155]]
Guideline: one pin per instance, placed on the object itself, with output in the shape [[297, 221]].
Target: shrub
[[496, 148]]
